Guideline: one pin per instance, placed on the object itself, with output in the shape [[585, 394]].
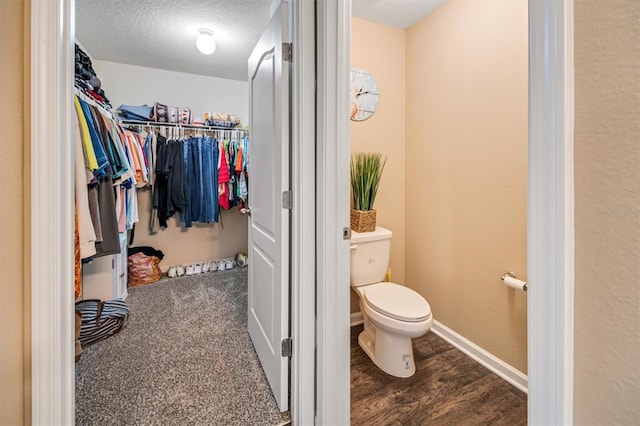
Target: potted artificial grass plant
[[366, 170]]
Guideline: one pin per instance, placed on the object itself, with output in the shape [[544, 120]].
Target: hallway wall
[[607, 212], [14, 232]]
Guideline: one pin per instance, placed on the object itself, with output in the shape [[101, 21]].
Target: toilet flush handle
[[353, 246]]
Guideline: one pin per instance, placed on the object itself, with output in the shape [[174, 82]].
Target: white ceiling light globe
[[205, 42]]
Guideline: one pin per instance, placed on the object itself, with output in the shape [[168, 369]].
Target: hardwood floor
[[448, 388]]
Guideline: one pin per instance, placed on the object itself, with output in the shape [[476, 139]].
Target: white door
[[268, 307]]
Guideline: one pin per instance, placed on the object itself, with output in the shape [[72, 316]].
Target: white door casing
[[269, 169], [332, 212], [550, 214], [303, 179]]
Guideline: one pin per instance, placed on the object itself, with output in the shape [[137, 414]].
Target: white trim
[[493, 363], [356, 319], [550, 213], [332, 207], [303, 255], [52, 225]]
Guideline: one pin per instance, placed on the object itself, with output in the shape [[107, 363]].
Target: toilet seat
[[396, 301]]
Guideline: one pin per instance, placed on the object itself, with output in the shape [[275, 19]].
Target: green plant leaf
[[366, 171]]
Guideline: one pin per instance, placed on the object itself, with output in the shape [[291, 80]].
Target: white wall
[[135, 85]]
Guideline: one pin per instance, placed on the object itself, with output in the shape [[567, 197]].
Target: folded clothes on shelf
[[135, 112]]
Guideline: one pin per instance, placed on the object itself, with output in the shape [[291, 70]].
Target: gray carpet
[[184, 358]]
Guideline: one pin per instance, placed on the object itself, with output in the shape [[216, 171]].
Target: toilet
[[393, 314]]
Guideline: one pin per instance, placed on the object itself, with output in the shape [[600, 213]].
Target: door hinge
[[287, 347], [287, 52], [287, 200]]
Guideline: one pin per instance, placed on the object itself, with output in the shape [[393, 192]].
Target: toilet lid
[[397, 301]]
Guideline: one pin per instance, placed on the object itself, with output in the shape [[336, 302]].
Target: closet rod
[[178, 125]]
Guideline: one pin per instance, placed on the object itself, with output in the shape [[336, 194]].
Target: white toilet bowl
[[393, 315]]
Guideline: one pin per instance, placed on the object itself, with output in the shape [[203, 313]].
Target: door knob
[[246, 211]]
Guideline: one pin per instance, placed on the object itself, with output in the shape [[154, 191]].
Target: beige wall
[[380, 50], [607, 206], [14, 332], [466, 170], [202, 242]]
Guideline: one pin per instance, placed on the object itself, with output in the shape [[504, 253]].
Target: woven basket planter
[[363, 220]]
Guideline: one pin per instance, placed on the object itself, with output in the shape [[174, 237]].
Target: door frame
[[52, 228], [52, 223], [303, 219], [333, 40], [550, 211], [550, 214]]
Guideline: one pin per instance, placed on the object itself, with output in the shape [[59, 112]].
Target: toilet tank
[[369, 256]]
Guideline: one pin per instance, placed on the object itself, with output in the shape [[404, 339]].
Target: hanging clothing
[[86, 231], [104, 167], [110, 243], [192, 162], [170, 189], [223, 179], [94, 210], [201, 159], [86, 137], [209, 201], [161, 188], [105, 180], [121, 208], [77, 285], [114, 134], [195, 177]]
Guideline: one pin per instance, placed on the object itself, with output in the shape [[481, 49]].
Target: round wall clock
[[364, 95]]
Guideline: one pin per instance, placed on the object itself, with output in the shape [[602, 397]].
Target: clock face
[[364, 95]]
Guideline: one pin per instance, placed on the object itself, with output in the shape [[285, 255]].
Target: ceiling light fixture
[[205, 42]]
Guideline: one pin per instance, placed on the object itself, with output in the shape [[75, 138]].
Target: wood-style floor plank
[[448, 388]]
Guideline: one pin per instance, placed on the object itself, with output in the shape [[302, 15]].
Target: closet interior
[[134, 176], [161, 179]]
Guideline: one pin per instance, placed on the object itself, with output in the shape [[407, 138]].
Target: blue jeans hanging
[[209, 194], [201, 164]]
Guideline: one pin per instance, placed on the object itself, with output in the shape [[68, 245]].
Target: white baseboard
[[496, 365], [356, 319]]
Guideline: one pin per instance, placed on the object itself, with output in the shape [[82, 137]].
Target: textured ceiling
[[162, 33], [395, 13]]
